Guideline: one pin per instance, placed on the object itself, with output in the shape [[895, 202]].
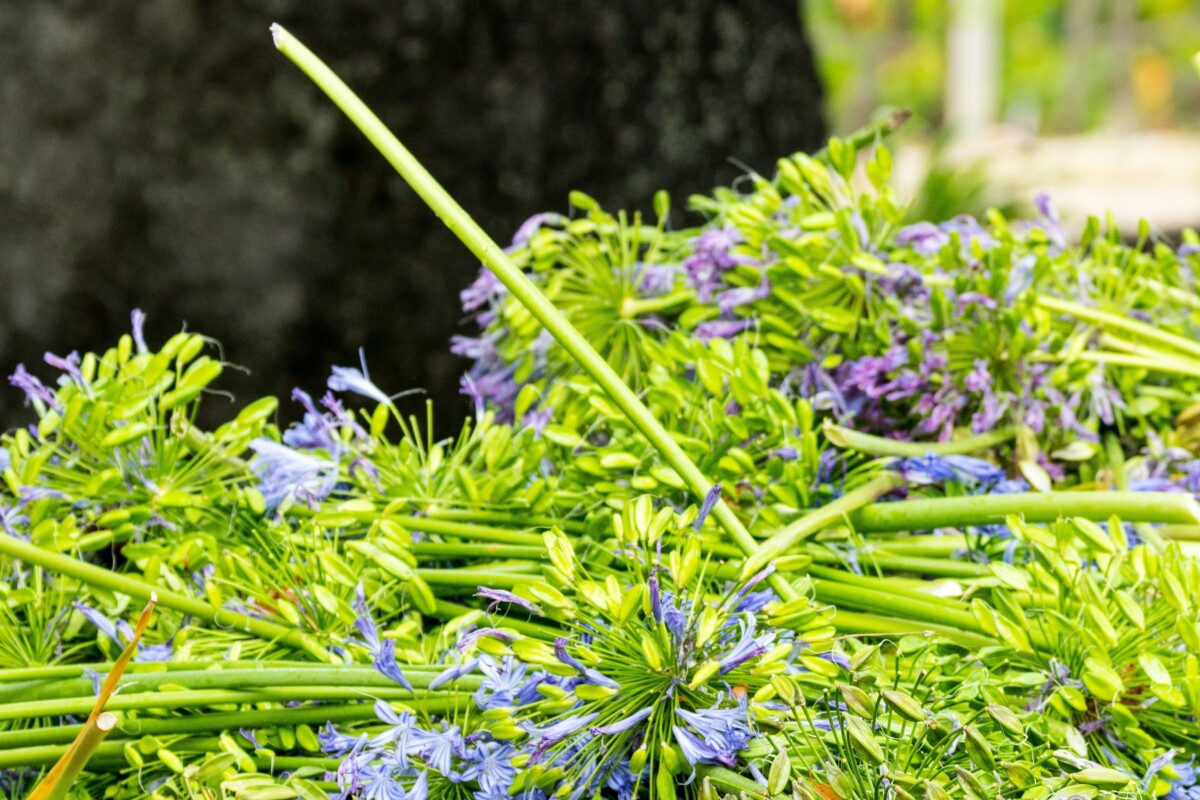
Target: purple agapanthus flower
[[316, 431], [438, 748], [121, 633], [546, 737], [285, 474], [468, 640], [137, 321], [490, 765], [353, 379], [923, 237], [498, 596], [717, 734], [710, 259], [978, 379], [1051, 223], [711, 498], [589, 674], [338, 744], [720, 329], [34, 389], [503, 682], [730, 299], [486, 289], [622, 725], [531, 226], [747, 646], [69, 365], [383, 652], [453, 673]]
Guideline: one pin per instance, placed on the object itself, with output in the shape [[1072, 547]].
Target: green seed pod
[[786, 689], [864, 740], [1019, 773], [934, 791], [978, 748], [664, 782], [1103, 778], [637, 761], [780, 774], [904, 705], [1008, 720], [972, 787], [857, 700]]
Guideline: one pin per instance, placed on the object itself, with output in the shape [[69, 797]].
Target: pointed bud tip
[[277, 34]]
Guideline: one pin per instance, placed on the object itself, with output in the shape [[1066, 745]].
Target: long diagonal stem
[[553, 320]]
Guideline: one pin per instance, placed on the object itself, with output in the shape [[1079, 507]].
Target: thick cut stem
[[992, 509]]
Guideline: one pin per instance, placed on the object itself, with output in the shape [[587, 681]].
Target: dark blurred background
[[160, 154]]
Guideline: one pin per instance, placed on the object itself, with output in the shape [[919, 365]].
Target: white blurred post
[[973, 66]]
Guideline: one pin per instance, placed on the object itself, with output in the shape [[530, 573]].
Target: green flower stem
[[500, 518], [958, 512], [519, 285], [934, 567], [817, 519], [892, 603], [62, 671], [1141, 330], [436, 550], [320, 675], [1181, 533], [887, 586], [848, 439], [635, 307], [928, 546], [860, 624], [221, 721], [463, 578], [1125, 346], [448, 610], [1116, 461], [475, 533], [43, 756], [112, 754], [115, 582], [203, 698], [1172, 364]]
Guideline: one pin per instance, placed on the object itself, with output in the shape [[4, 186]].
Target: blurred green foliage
[[1066, 65]]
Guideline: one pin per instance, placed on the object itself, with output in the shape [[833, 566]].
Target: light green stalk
[[124, 584], [1141, 330], [820, 518], [224, 721], [992, 509], [848, 439], [519, 285]]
